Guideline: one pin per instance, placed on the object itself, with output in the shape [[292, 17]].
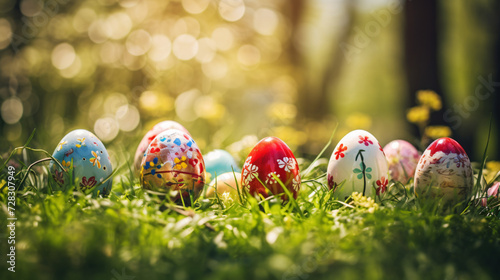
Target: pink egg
[[402, 158], [150, 135], [444, 174], [271, 156]]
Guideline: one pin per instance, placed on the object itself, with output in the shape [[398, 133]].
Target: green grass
[[63, 234]]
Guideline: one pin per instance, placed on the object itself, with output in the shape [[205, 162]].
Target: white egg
[[358, 164], [444, 174]]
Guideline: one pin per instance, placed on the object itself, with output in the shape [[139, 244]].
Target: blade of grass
[[308, 169]]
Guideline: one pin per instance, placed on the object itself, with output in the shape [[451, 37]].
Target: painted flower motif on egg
[[403, 158], [269, 158], [150, 135], [358, 160], [91, 162], [444, 172], [173, 161]]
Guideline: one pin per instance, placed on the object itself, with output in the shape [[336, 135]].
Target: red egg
[[150, 135], [271, 156]]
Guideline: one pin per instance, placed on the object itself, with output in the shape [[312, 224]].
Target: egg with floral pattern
[[219, 162], [90, 160], [269, 160], [444, 174], [150, 135], [225, 183], [402, 158], [358, 164], [174, 162]]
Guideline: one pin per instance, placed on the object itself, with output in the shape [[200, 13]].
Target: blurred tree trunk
[[420, 33], [496, 77], [313, 101]]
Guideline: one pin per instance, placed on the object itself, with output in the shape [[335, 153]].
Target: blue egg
[[91, 162], [219, 161]]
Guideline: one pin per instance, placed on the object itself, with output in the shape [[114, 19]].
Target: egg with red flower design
[[402, 158], [271, 159], [150, 135], [444, 174], [83, 154], [173, 162], [358, 164]]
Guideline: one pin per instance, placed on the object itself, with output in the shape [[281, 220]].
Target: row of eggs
[[168, 158]]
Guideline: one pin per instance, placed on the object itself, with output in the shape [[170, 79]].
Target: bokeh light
[[12, 110], [63, 56], [138, 42], [185, 47], [195, 6], [265, 21], [231, 10], [248, 67], [5, 33]]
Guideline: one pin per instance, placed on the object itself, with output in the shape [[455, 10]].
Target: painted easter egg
[[150, 135], [91, 162], [402, 158], [226, 183], [219, 162], [444, 173], [271, 156], [358, 164], [173, 161]]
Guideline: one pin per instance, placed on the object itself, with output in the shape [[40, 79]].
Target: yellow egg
[[226, 183]]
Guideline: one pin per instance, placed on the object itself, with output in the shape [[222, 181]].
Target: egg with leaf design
[[444, 175], [150, 135], [173, 162], [358, 164], [270, 162], [84, 155]]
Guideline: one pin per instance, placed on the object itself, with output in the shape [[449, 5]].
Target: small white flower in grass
[[270, 178], [287, 163]]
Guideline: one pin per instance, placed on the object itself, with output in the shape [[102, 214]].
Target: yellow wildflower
[[493, 166], [360, 201], [180, 163], [492, 169], [438, 131], [359, 121], [418, 114], [430, 99]]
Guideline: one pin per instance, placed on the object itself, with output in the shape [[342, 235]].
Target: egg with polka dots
[[83, 154], [173, 162]]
